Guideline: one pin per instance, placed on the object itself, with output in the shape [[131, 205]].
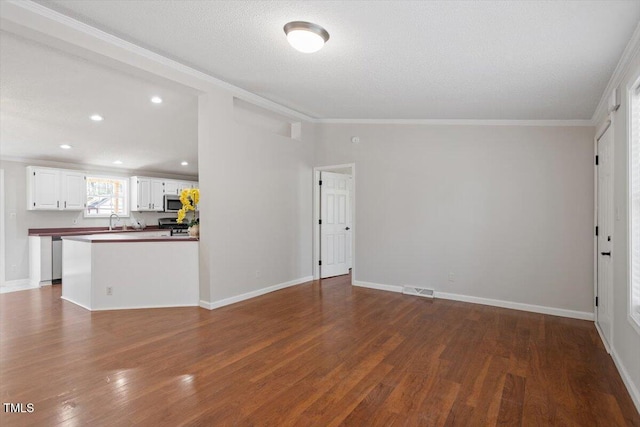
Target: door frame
[[3, 260], [607, 125], [316, 216]]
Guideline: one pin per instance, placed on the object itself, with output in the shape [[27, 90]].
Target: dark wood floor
[[316, 354]]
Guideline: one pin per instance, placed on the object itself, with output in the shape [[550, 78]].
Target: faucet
[[110, 220]]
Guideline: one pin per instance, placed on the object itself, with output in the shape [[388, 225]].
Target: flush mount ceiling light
[[306, 36], [97, 118], [156, 100], [65, 147], [184, 163], [117, 162]]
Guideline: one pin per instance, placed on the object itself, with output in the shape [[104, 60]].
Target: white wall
[[507, 209], [255, 209], [18, 220], [626, 340]]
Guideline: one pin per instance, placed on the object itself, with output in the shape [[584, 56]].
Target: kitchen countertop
[[128, 238], [83, 231]]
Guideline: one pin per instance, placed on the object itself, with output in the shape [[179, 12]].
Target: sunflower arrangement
[[189, 197]]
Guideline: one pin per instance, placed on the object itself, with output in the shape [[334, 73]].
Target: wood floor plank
[[322, 353]]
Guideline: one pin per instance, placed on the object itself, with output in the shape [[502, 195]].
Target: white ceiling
[[47, 96], [521, 60], [528, 60]]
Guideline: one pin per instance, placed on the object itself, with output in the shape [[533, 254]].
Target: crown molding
[[459, 122], [41, 19], [630, 51], [34, 17]]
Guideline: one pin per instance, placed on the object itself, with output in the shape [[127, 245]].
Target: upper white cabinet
[[175, 187], [74, 190], [55, 189], [147, 194]]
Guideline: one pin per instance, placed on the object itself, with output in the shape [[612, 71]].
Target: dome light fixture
[[306, 36]]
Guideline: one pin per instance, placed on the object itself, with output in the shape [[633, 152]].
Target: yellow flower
[[184, 196], [181, 214], [189, 197]]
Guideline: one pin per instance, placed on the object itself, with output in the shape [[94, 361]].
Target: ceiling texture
[[501, 60], [47, 97], [385, 60]]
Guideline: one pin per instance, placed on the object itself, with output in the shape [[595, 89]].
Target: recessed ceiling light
[[185, 163], [65, 146], [156, 100], [117, 162], [306, 36], [97, 118]]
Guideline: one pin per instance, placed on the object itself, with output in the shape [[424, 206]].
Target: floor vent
[[414, 290]]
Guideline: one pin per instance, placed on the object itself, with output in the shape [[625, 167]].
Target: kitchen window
[[107, 195], [634, 204]]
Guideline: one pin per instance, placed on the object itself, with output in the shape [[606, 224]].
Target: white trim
[[603, 128], [626, 379], [137, 307], [604, 342], [378, 286], [458, 122], [583, 315], [616, 78], [3, 259], [76, 303], [17, 285], [631, 86], [29, 15], [232, 300], [33, 17]]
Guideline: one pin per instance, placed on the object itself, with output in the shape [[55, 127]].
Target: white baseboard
[[633, 390], [378, 286], [604, 342], [232, 300], [76, 303], [583, 315], [17, 285]]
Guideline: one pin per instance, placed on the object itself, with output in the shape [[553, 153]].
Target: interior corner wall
[[255, 209], [508, 210], [625, 346]]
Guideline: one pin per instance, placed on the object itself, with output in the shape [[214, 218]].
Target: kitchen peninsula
[[123, 270]]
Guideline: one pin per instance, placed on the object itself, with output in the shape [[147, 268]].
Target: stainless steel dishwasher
[[56, 259]]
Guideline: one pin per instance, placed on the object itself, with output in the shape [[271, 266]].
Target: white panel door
[[605, 234], [74, 190], [334, 229]]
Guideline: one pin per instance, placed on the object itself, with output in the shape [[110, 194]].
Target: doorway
[[334, 221], [604, 231]]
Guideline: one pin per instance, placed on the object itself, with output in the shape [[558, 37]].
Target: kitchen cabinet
[[56, 189], [176, 187], [147, 194]]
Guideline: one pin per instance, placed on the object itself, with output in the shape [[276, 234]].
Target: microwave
[[172, 203]]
